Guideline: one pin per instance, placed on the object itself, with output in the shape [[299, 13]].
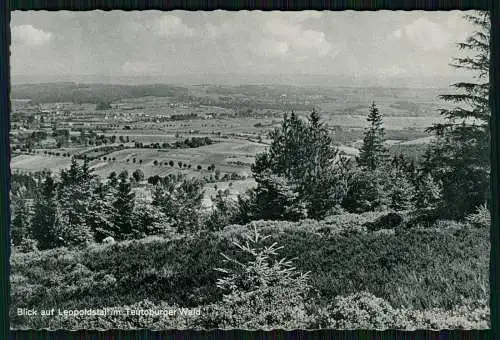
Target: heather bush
[[387, 221], [143, 314], [27, 245], [419, 268], [361, 310], [364, 310]]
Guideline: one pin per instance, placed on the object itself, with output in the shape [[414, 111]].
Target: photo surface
[[250, 170]]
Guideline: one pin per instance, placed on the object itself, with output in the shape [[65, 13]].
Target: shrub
[[138, 175], [361, 310], [481, 218], [27, 245], [468, 315], [256, 286], [366, 311], [387, 221], [154, 317]]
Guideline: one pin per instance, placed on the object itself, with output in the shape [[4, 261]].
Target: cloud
[[393, 70], [301, 16], [278, 35], [170, 26], [301, 43], [425, 34], [30, 36], [212, 31], [271, 48], [138, 67]]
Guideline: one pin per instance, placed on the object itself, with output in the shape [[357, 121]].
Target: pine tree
[[101, 212], [20, 223], [428, 192], [45, 222], [301, 174], [223, 212], [123, 206], [179, 199], [373, 153], [113, 180], [400, 190], [138, 175], [190, 194], [367, 191], [374, 185], [256, 282], [460, 158], [278, 198], [75, 196], [315, 119]]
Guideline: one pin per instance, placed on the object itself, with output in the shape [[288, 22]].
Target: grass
[[235, 188], [39, 162], [221, 154]]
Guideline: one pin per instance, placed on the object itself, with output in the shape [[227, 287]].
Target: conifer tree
[[428, 192], [301, 174], [370, 186], [75, 196], [223, 212], [20, 223], [113, 180], [124, 205], [179, 199], [102, 212], [256, 281], [459, 157], [138, 175], [45, 222], [373, 153], [400, 190], [367, 191]]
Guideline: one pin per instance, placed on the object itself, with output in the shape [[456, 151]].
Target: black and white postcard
[[250, 170]]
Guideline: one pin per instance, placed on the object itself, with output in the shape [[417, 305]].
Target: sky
[[349, 44]]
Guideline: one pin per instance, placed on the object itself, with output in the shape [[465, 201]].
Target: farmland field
[[39, 162], [203, 111]]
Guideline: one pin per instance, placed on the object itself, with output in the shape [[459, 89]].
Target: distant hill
[[419, 141], [247, 79], [91, 93]]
